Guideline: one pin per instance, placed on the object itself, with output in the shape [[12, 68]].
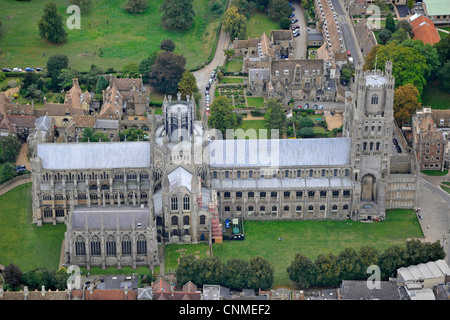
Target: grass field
[[175, 251], [231, 80], [22, 242], [255, 102], [446, 189], [435, 172], [260, 23], [109, 36], [253, 124], [312, 238], [434, 97], [234, 65]]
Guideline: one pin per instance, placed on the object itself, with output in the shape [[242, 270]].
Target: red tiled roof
[[424, 29]]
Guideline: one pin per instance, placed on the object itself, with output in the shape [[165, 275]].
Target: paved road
[[435, 210], [203, 75], [300, 41]]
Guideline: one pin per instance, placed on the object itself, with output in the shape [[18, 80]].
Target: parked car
[[295, 27], [206, 92], [343, 82], [399, 150], [38, 69], [349, 53], [17, 70], [29, 69], [293, 8], [20, 168], [6, 70], [296, 34], [207, 108], [292, 15], [208, 86], [210, 81], [295, 31], [207, 103], [295, 20], [395, 142]]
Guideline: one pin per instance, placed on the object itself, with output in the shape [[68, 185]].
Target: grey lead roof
[[279, 152], [111, 216], [94, 155], [283, 183]]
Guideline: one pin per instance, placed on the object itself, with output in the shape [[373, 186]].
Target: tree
[[9, 149], [399, 36], [187, 85], [7, 172], [85, 5], [275, 116], [135, 6], [236, 274], [167, 45], [385, 36], [408, 66], [416, 253], [278, 9], [177, 14], [133, 134], [405, 103], [404, 24], [56, 63], [327, 270], [410, 4], [443, 76], [241, 5], [347, 71], [131, 70], [210, 270], [101, 85], [285, 23], [66, 77], [367, 256], [51, 25], [234, 23], [302, 271], [167, 72], [12, 275], [145, 66], [305, 122], [261, 274], [443, 49], [434, 251], [222, 116], [306, 132], [90, 79], [61, 277], [187, 270], [391, 259], [428, 51], [37, 278], [90, 135], [349, 264], [390, 23]]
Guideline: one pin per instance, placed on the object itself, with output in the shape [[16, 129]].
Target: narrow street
[[300, 41]]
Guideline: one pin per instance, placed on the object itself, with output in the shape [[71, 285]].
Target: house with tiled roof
[[424, 29], [162, 290], [18, 126]]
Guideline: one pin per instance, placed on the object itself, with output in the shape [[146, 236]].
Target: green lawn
[[435, 97], [435, 172], [260, 23], [255, 102], [231, 80], [22, 242], [312, 238], [446, 189], [234, 66], [109, 36], [253, 124]]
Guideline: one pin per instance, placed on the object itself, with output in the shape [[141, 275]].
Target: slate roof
[[358, 290], [283, 183], [94, 155], [286, 152], [110, 215], [260, 74]]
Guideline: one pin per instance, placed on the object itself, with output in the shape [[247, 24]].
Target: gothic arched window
[[186, 203], [126, 245], [374, 99], [95, 246], [80, 246], [174, 203], [141, 245], [111, 246]]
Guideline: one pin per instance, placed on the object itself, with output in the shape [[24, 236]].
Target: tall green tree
[[51, 27], [302, 271], [443, 77], [390, 23], [349, 264], [408, 66], [187, 85], [385, 35], [167, 45], [236, 273], [177, 14], [101, 85], [406, 103], [428, 51], [133, 134], [187, 270], [443, 49], [145, 66], [234, 23], [90, 135], [391, 259], [210, 270], [278, 9], [56, 63], [167, 72], [275, 116], [12, 275], [261, 274], [399, 36], [222, 116], [131, 70], [328, 270], [9, 149], [367, 256]]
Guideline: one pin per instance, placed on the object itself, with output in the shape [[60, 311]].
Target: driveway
[[300, 41], [204, 74]]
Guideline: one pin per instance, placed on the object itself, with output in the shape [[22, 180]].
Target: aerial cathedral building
[[120, 200]]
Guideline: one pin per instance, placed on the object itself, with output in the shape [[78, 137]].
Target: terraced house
[[121, 199]]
